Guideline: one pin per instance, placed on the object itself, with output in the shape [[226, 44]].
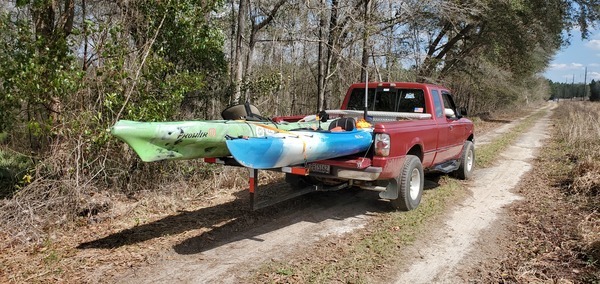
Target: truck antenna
[[366, 93]]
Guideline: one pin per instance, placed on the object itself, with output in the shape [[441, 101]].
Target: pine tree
[[595, 91]]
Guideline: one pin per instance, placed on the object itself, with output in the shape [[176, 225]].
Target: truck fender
[[416, 148]]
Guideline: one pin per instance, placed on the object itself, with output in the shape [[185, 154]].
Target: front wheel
[[410, 184], [467, 161]]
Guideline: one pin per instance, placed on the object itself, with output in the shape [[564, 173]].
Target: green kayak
[[154, 141]]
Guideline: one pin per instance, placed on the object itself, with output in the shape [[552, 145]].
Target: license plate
[[319, 168]]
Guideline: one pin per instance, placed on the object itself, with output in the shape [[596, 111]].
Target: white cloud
[[593, 44], [594, 76], [565, 66], [594, 64]]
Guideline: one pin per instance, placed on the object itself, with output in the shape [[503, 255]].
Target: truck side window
[[448, 104], [437, 103]]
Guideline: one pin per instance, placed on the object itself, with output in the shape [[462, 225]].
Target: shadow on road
[[432, 180], [170, 225], [315, 208], [233, 221]]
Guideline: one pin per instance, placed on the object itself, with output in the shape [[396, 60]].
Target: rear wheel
[[410, 184], [467, 161]]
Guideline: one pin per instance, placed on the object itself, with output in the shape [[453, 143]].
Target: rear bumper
[[366, 174]]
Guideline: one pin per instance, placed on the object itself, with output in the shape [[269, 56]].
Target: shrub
[[14, 172]]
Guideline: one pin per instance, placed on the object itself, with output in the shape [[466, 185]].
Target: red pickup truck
[[417, 129]]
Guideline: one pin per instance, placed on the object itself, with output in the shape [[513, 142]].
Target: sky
[[572, 60]]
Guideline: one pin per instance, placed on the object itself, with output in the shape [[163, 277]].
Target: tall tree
[[259, 20], [364, 63], [239, 49], [52, 25]]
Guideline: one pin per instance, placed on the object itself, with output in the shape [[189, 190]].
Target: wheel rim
[[415, 184], [469, 160]]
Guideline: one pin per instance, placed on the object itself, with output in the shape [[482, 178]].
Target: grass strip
[[364, 256], [488, 153]]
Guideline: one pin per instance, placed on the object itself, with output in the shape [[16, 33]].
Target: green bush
[[14, 172]]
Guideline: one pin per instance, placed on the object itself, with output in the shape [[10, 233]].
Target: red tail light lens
[[382, 145]]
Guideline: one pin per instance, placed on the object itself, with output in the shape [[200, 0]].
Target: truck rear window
[[394, 100]]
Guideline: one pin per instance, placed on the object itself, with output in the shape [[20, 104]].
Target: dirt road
[[443, 254], [228, 256]]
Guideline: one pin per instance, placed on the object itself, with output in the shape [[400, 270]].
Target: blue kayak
[[298, 147]]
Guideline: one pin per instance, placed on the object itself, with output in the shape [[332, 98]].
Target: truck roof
[[398, 85]]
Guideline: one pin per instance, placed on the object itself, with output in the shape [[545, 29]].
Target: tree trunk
[[53, 36], [331, 43], [249, 61], [232, 51], [433, 60], [85, 36], [241, 29], [321, 59], [256, 27], [365, 46]]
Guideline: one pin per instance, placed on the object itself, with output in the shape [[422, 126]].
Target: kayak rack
[[258, 201]]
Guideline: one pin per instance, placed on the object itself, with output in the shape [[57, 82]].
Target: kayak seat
[[346, 123], [240, 111]]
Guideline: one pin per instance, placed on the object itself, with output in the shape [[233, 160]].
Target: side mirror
[[449, 113], [462, 111]]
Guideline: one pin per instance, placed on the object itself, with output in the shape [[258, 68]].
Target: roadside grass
[[365, 256], [53, 257], [488, 153], [578, 132], [554, 236], [578, 135]]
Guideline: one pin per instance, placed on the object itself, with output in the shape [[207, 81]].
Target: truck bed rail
[[379, 116]]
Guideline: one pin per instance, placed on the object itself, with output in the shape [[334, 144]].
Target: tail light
[[382, 144]]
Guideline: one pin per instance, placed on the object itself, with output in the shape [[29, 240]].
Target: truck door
[[455, 130], [442, 128]]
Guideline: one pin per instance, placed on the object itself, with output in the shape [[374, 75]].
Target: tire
[[410, 184], [467, 162]]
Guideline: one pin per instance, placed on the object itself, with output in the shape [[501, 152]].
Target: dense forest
[[575, 91], [70, 69]]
